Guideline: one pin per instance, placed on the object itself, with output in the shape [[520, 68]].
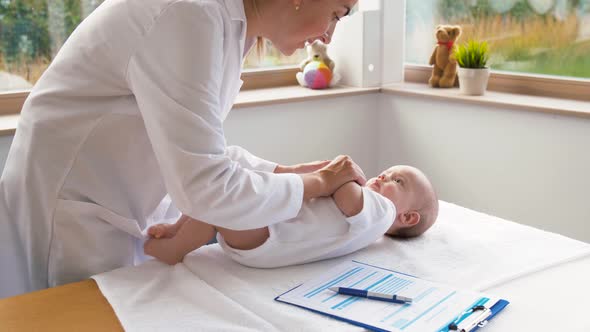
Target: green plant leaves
[[473, 54]]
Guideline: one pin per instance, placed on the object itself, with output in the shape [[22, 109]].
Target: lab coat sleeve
[[175, 75], [248, 160]]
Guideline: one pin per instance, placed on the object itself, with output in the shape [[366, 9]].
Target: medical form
[[435, 306]]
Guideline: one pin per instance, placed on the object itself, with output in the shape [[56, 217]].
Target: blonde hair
[[260, 47]]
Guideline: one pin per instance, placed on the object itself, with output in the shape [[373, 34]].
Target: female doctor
[[125, 129]]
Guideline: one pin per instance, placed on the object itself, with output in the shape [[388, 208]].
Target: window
[[32, 31], [550, 37]]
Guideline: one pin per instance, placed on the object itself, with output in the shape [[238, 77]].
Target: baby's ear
[[410, 218]]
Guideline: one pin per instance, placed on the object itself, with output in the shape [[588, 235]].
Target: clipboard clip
[[465, 323]]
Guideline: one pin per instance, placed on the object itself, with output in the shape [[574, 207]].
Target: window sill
[[248, 98], [569, 88], [291, 94], [8, 124], [530, 103]]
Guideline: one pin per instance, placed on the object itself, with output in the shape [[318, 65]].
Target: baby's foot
[[164, 250], [162, 231], [167, 230]]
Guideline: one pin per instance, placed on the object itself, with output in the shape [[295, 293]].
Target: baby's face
[[399, 184]]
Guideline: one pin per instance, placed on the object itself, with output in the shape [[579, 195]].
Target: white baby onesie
[[319, 231]]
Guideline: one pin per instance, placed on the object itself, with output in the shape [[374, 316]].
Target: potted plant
[[472, 58]]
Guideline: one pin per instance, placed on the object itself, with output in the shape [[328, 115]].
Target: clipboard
[[437, 307], [476, 318]]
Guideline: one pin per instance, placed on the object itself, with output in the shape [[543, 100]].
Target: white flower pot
[[473, 82]]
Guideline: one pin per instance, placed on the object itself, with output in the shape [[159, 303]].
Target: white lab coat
[[123, 130]]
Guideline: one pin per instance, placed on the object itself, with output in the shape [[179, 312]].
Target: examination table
[[545, 276]]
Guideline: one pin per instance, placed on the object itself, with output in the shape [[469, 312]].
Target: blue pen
[[371, 295]]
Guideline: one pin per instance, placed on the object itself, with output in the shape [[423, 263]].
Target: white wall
[[527, 167], [299, 132], [306, 131]]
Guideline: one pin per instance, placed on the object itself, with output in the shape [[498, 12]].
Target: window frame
[[269, 77], [516, 83], [393, 11], [11, 102]]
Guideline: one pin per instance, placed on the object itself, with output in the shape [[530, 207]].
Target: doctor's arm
[[177, 88], [248, 160], [302, 168]]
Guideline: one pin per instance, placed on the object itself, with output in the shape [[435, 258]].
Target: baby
[[400, 202]]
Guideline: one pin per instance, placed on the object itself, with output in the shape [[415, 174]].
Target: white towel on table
[[210, 292]]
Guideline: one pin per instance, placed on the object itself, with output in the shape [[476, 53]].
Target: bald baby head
[[414, 197]]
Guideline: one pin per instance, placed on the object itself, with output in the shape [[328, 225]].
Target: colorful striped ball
[[317, 75]]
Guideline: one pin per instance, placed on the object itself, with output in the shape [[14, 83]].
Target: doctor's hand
[[303, 168], [325, 181]]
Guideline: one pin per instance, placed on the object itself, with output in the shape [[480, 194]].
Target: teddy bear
[[444, 72], [317, 69]]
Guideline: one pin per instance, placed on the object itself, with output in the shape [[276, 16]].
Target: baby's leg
[[191, 235], [244, 240]]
